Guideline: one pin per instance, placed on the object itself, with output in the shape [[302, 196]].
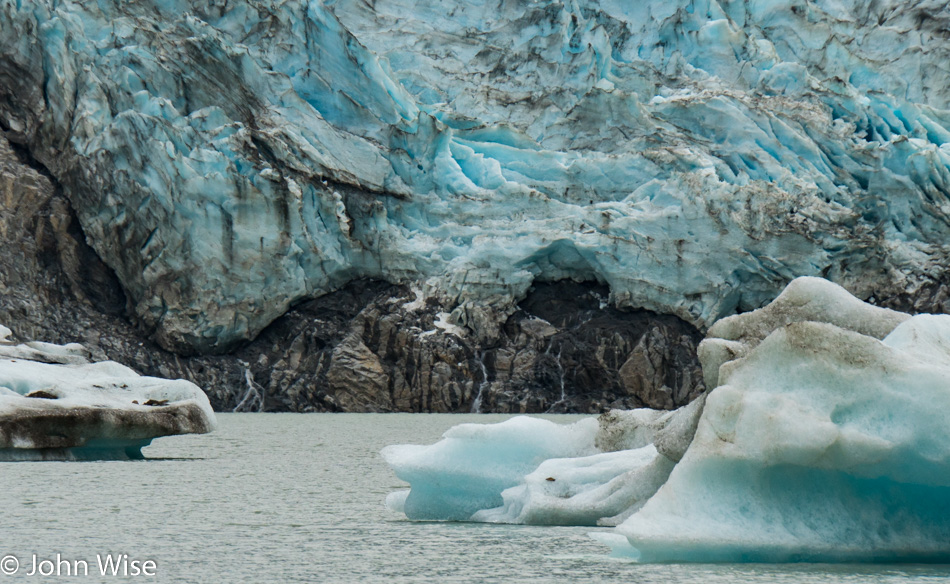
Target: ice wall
[[228, 160]]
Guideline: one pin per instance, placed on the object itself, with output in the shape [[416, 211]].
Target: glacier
[[56, 404], [230, 160], [822, 439]]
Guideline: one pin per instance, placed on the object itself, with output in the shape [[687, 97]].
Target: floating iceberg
[[824, 439], [474, 463], [529, 470], [820, 443], [55, 404]]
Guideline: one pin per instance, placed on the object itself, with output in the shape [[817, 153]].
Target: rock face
[[377, 347], [55, 404], [228, 161]]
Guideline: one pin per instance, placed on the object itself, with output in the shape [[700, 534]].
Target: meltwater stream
[[299, 498]]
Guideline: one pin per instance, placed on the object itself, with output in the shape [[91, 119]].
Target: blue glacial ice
[[228, 160], [824, 439], [474, 463], [529, 470]]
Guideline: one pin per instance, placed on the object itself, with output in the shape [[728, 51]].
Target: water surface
[[299, 498]]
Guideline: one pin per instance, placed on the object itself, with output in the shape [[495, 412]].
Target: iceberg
[[55, 404], [474, 463], [533, 471], [821, 443], [823, 438]]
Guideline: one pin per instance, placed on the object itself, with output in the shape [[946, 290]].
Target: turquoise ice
[[229, 160]]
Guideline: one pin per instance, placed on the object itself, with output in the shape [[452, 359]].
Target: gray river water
[[299, 498]]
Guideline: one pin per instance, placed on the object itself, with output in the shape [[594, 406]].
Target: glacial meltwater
[[299, 498]]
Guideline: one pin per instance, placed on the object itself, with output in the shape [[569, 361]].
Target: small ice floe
[[55, 404]]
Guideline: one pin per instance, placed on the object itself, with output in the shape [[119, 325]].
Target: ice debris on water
[[57, 404], [824, 438]]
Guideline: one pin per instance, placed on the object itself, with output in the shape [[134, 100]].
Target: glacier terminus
[[228, 160], [720, 225]]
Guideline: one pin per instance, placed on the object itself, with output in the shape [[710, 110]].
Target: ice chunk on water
[[56, 404], [470, 467], [528, 470], [821, 444]]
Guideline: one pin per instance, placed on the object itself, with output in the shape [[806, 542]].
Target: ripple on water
[[299, 498]]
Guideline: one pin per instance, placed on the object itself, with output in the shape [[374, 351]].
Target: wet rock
[[356, 377]]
